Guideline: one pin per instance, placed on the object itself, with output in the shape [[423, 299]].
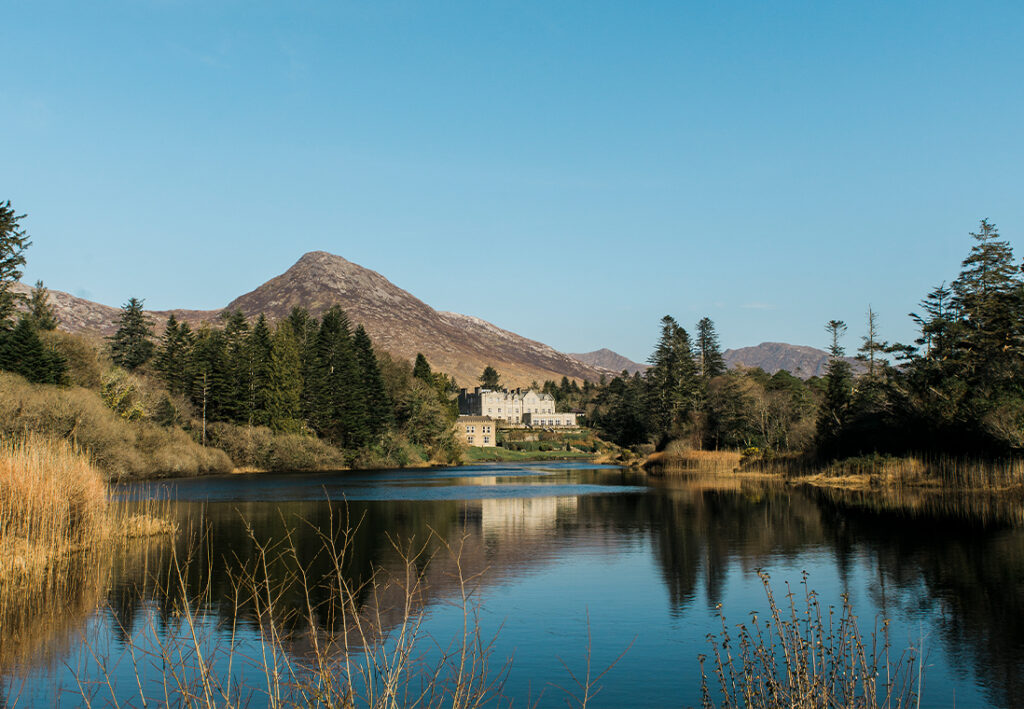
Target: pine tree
[[22, 352], [672, 386], [131, 346], [378, 404], [259, 358], [987, 295], [838, 391], [872, 350], [337, 409], [710, 362], [39, 307], [13, 242], [209, 374], [490, 379], [173, 355], [421, 369], [284, 391], [238, 404]]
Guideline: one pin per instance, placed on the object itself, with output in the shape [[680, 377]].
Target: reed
[[803, 656], [54, 504], [678, 458]]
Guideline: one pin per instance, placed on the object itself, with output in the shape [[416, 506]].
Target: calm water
[[562, 549]]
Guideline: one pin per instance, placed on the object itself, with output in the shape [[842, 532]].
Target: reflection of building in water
[[524, 514]]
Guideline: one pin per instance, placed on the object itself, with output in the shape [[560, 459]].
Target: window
[[470, 440], [487, 440], [467, 429]]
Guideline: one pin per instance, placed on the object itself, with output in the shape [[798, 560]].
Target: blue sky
[[571, 171]]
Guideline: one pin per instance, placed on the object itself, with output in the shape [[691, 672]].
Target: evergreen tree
[[282, 404], [39, 308], [987, 295], [238, 402], [872, 350], [337, 408], [672, 386], [838, 391], [710, 362], [490, 379], [260, 386], [13, 242], [173, 355], [211, 389], [131, 346], [378, 404], [22, 352], [421, 370], [305, 330]]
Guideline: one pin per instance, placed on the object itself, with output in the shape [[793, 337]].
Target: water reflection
[[954, 564]]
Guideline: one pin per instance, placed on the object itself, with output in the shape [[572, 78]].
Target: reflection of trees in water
[[967, 555], [698, 531], [962, 555], [39, 626]]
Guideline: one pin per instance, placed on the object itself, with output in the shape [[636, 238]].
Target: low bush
[[118, 447], [261, 448]]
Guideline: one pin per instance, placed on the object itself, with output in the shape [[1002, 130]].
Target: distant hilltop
[[607, 359], [397, 321], [799, 360]]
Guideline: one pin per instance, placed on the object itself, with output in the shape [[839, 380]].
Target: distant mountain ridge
[[397, 321], [609, 359], [799, 360]]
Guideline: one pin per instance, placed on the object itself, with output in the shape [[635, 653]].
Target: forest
[[957, 390]]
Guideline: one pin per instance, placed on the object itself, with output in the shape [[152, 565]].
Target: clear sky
[[571, 171]]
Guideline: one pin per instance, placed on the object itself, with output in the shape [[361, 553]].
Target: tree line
[[958, 388]]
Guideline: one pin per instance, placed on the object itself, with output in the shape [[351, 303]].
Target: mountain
[[607, 359], [397, 322], [799, 360]]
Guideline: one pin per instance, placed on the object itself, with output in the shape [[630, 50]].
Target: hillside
[[608, 359], [799, 360], [397, 321]]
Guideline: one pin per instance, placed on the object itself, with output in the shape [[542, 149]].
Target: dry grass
[[53, 503], [117, 447], [878, 471], [678, 458], [803, 656]]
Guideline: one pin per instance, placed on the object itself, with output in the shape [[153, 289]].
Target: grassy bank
[[879, 471], [475, 454], [119, 447], [53, 504], [678, 459], [859, 473]]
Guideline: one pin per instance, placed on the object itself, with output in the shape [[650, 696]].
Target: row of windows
[[483, 429], [469, 439]]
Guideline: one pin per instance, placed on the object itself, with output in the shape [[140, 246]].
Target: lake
[[559, 560]]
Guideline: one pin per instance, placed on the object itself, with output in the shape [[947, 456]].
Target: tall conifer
[[131, 346]]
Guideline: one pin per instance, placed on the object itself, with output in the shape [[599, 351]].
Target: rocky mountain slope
[[404, 325], [799, 360], [608, 359], [397, 322]]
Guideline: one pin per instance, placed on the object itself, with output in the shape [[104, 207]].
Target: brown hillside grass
[[117, 447]]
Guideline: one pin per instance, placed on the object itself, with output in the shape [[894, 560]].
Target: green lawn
[[475, 454]]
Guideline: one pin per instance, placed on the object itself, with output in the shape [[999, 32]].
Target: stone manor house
[[516, 407]]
